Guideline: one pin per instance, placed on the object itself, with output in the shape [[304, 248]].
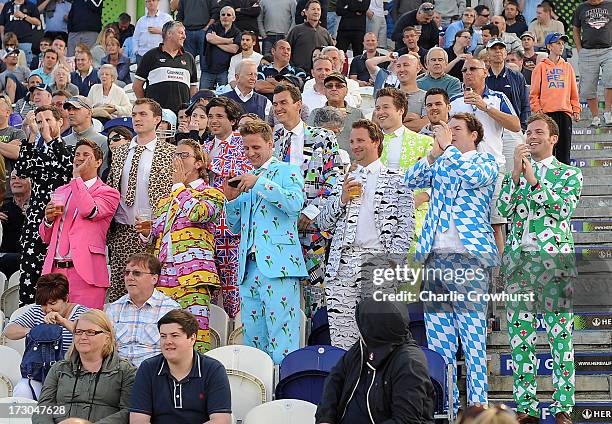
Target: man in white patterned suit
[[371, 215], [457, 246]]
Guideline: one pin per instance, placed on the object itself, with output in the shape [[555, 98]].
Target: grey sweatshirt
[[448, 8], [276, 16]]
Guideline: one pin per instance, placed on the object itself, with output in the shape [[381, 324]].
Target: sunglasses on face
[[336, 86], [135, 273], [471, 69], [117, 138]]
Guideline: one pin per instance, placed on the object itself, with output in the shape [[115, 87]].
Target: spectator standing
[[135, 315], [358, 70], [20, 17], [222, 42], [448, 9], [363, 228], [336, 90], [129, 173], [148, 30], [12, 218], [594, 45], [303, 38], [76, 231], [274, 21], [515, 22], [436, 76], [401, 7], [510, 39], [528, 40], [315, 150], [48, 168], [266, 82], [55, 12], [197, 16], [555, 93], [247, 12], [407, 67], [468, 17], [376, 22], [248, 39], [154, 398], [244, 93], [168, 70], [388, 347], [84, 23], [423, 17], [300, 12], [119, 61], [269, 278], [352, 26], [545, 24], [81, 121], [85, 74], [49, 62]]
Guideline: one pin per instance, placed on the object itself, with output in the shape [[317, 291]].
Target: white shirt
[[377, 7], [394, 148], [143, 40], [89, 183], [528, 240], [127, 214], [313, 99], [353, 96], [449, 241], [366, 236], [236, 59], [297, 144], [248, 97]]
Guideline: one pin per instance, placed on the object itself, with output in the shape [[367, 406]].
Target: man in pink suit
[[75, 226]]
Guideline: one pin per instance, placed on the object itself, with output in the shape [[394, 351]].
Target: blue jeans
[[194, 44], [269, 41], [332, 23], [210, 80]]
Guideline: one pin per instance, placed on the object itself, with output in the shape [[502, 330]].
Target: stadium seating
[[286, 411]]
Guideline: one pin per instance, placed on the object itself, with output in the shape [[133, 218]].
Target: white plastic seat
[[286, 411], [302, 328], [251, 376], [9, 300], [1, 321], [218, 322], [10, 363], [3, 281], [20, 311], [13, 280], [23, 417], [18, 345]]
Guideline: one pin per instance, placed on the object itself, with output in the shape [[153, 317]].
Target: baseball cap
[[553, 37], [77, 102], [43, 87], [118, 122], [426, 8], [495, 42], [13, 52], [335, 76], [291, 79], [529, 34]]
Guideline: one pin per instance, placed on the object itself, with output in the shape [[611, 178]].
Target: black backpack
[[43, 348]]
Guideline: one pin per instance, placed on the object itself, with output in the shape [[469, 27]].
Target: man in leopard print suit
[[142, 172]]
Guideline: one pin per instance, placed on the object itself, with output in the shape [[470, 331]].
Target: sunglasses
[[428, 9], [135, 273], [471, 69], [226, 14], [336, 86], [117, 138]]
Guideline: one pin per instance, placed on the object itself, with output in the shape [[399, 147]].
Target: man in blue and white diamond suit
[[457, 247]]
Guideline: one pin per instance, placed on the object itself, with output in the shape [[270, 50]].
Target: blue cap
[[553, 37], [118, 122]]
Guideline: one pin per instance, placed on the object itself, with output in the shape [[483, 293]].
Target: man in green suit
[[539, 197]]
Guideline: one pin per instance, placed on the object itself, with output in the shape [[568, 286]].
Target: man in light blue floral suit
[[264, 207]]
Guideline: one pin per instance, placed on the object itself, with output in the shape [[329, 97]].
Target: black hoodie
[[400, 390]]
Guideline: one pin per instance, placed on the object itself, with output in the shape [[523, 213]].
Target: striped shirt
[[136, 328], [35, 315]]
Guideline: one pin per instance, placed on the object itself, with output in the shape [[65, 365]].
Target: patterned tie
[[130, 195], [286, 147]]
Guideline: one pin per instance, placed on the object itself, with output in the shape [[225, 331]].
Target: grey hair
[[224, 8], [328, 117], [341, 56], [169, 26], [110, 68], [436, 49], [242, 64]]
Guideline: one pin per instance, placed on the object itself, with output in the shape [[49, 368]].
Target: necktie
[[130, 194], [286, 147], [63, 240]]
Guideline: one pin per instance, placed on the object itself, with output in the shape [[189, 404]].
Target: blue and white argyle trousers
[[459, 316], [270, 309]]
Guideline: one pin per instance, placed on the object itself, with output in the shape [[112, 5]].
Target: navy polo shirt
[[205, 391], [513, 85]]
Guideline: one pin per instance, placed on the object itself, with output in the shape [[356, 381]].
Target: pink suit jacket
[[87, 236]]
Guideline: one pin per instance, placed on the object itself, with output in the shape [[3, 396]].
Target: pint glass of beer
[[59, 202], [144, 219], [356, 190]]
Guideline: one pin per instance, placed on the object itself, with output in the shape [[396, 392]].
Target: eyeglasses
[[117, 138], [89, 333], [135, 273], [465, 36], [226, 14], [183, 155], [336, 86], [471, 69]]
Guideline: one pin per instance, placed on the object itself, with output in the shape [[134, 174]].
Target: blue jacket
[[513, 85], [84, 84]]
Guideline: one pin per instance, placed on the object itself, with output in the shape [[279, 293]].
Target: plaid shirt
[[136, 328]]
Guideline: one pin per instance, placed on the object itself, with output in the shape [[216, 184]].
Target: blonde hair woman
[[92, 382]]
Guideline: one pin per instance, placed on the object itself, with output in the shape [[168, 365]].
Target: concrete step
[[593, 237], [591, 154], [586, 363], [593, 171], [590, 385], [595, 202]]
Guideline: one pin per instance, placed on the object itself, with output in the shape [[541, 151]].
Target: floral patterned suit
[[539, 261], [270, 258]]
